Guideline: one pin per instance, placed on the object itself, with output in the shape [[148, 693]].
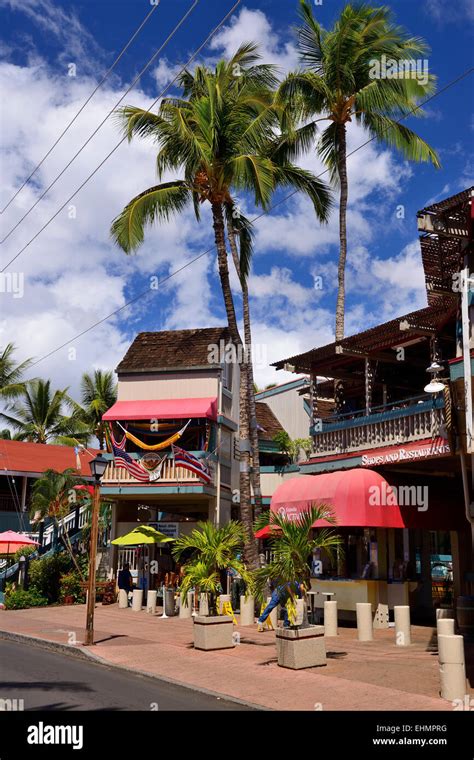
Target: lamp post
[[98, 467]]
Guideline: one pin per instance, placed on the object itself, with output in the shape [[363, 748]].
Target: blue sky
[[73, 275]]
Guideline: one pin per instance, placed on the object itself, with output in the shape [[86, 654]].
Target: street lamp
[[98, 467]]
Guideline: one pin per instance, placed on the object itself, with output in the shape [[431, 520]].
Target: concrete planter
[[213, 632], [301, 647]]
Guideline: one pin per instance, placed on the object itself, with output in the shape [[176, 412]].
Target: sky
[[53, 53]]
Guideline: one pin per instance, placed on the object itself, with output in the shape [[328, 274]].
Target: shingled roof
[[268, 425], [170, 349], [374, 339]]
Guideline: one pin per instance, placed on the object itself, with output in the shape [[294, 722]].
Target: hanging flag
[[125, 461], [188, 461], [78, 459], [116, 444]]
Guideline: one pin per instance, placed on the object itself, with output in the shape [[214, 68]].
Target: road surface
[[48, 680]]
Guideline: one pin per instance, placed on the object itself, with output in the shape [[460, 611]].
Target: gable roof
[[268, 425], [170, 349]]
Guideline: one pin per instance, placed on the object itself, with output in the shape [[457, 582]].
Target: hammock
[[156, 446]]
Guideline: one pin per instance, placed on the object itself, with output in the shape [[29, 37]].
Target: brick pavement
[[359, 675]]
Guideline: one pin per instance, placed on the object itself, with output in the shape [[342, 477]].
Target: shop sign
[[170, 529], [409, 453]]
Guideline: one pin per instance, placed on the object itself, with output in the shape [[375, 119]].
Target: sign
[[412, 452], [170, 529]]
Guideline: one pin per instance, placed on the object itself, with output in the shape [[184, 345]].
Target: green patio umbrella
[[144, 534]]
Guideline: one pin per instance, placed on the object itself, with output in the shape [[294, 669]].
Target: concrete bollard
[[137, 600], [247, 610], [186, 607], [223, 598], [402, 625], [365, 628], [441, 612], [123, 599], [300, 608], [273, 614], [452, 667], [203, 605], [381, 616], [445, 627], [330, 618], [151, 602]]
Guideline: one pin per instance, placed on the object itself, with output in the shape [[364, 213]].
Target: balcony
[[409, 420], [169, 474]]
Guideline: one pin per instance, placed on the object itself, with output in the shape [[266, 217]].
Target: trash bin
[[169, 602]]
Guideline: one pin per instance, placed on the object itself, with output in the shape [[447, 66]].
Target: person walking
[[280, 595]]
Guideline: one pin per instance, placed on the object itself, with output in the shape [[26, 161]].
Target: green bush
[[18, 599], [45, 575], [24, 551], [70, 585]]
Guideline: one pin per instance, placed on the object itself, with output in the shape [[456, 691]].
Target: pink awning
[[363, 498], [164, 409], [353, 495]]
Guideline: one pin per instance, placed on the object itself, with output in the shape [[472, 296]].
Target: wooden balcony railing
[[412, 421], [169, 474]]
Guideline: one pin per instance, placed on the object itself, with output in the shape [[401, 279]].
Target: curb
[[84, 654]]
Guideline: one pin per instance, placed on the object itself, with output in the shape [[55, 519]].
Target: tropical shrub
[[45, 575], [18, 599], [210, 550], [25, 551], [70, 586]]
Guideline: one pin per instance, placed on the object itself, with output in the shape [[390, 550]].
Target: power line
[[191, 59], [122, 52], [255, 219], [147, 66]]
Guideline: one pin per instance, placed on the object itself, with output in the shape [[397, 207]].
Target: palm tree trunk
[[342, 170], [255, 471], [250, 548]]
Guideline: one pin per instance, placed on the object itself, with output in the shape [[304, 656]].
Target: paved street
[[52, 681]]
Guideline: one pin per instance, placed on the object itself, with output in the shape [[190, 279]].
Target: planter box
[[213, 632], [301, 647]]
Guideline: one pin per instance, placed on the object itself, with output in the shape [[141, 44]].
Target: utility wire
[[191, 59], [147, 66], [122, 52], [255, 219]]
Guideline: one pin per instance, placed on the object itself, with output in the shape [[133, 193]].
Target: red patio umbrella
[[10, 539], [267, 531]]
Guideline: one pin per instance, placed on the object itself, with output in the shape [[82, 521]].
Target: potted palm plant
[[209, 551], [299, 644]]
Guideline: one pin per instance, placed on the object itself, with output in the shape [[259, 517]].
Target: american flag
[[188, 461], [124, 460]]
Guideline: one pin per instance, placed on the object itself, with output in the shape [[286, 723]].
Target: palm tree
[[291, 543], [210, 551], [11, 373], [98, 394], [38, 415], [339, 83], [53, 496], [212, 134]]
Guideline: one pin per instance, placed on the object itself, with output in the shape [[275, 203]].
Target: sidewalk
[[359, 676]]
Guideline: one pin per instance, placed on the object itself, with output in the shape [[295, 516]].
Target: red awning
[[163, 409], [361, 498], [348, 492]]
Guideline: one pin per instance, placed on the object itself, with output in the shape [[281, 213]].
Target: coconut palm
[[38, 415], [210, 550], [11, 373], [213, 135], [291, 543], [341, 82], [54, 494], [98, 394]]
